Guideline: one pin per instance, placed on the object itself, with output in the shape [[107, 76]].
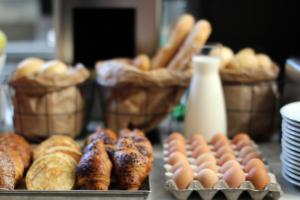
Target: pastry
[[192, 44], [94, 169], [131, 166], [56, 140], [178, 34], [246, 58], [108, 137], [142, 62], [74, 153], [29, 67], [225, 54], [264, 61], [7, 172], [54, 67], [17, 142], [52, 172]]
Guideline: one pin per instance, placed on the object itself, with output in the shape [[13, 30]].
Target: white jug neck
[[206, 64]]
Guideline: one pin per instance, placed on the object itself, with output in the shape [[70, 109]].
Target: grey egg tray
[[272, 191]]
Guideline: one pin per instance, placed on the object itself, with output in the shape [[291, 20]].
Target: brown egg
[[259, 178], [176, 148], [176, 136], [254, 163], [222, 150], [250, 156], [225, 158], [200, 150], [176, 143], [219, 144], [175, 157], [246, 150], [234, 177], [207, 178], [207, 165], [242, 144], [197, 137], [196, 143], [205, 157], [183, 177], [230, 164], [239, 137], [218, 137], [180, 164]]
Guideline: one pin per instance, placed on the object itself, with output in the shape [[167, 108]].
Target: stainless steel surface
[[147, 23], [74, 194]]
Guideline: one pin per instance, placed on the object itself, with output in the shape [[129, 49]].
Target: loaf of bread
[[192, 44], [180, 31], [15, 154], [28, 67], [225, 53]]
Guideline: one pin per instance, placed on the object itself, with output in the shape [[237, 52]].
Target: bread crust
[[180, 31], [192, 44]]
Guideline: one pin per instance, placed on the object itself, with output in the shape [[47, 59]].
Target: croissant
[[94, 169], [131, 166], [109, 139], [141, 143]]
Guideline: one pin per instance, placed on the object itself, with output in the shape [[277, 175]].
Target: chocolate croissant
[[94, 169], [131, 166]]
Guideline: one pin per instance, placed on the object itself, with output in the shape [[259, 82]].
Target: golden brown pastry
[[131, 166], [54, 67], [192, 44], [17, 142], [225, 54], [94, 169], [75, 153], [28, 67], [52, 172], [7, 172], [246, 58], [56, 140], [180, 31], [109, 139], [141, 143], [263, 61], [17, 161], [142, 62]]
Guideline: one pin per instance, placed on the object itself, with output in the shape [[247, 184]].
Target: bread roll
[[246, 58], [233, 64], [142, 61], [180, 31], [264, 61], [54, 67], [225, 54], [192, 44], [29, 67]]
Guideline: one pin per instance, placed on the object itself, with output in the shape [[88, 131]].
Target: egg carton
[[273, 190]]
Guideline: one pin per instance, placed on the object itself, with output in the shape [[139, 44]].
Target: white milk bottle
[[206, 113]]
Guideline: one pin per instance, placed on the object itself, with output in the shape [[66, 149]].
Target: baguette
[[142, 62], [192, 44], [180, 31]]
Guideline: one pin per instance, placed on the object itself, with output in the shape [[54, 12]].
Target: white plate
[[292, 142], [291, 157], [289, 165], [287, 144], [291, 137], [291, 170], [290, 127], [291, 122], [290, 162], [290, 152], [291, 111], [289, 179]]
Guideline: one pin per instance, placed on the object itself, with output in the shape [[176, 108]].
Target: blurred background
[[268, 26]]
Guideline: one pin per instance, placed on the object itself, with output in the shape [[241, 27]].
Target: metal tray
[[113, 194]]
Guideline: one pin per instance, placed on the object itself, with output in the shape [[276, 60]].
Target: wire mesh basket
[[42, 109], [142, 107]]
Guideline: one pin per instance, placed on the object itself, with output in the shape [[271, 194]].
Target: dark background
[[269, 26]]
